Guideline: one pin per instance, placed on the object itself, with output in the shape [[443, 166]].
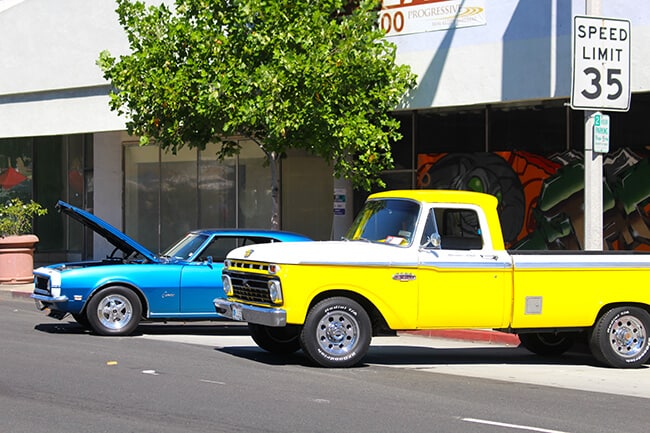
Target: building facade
[[490, 113]]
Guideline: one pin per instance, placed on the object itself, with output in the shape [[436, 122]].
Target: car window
[[221, 246]]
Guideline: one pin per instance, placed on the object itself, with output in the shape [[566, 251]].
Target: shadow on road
[[427, 357], [186, 328]]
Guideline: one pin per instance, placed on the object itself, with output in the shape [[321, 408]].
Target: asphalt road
[[56, 377]]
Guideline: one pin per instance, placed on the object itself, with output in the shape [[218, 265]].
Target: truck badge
[[403, 277]]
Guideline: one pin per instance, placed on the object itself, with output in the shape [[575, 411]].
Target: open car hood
[[107, 231]]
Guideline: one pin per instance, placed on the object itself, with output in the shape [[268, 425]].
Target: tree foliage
[[315, 75]]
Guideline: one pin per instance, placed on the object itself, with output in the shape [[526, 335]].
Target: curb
[[479, 335]]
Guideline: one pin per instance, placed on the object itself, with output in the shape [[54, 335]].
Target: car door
[[463, 281], [201, 278]]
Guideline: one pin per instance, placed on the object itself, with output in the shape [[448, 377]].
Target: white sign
[[601, 133], [403, 17], [601, 64]]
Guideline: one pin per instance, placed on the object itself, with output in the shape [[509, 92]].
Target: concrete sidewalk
[[18, 290], [477, 335]]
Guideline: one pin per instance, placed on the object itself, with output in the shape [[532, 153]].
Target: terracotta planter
[[17, 259]]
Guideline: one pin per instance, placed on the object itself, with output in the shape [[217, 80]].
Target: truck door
[[464, 283]]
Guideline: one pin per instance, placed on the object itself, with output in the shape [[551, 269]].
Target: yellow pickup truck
[[431, 259]]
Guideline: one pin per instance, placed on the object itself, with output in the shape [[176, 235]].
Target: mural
[[541, 199]]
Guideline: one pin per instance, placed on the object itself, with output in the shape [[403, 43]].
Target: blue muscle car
[[112, 295]]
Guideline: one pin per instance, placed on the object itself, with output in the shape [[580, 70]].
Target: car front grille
[[250, 287], [41, 285]]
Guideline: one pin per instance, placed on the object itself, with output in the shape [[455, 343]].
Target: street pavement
[[470, 353], [477, 335]]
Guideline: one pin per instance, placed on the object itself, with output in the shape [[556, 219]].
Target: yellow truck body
[[430, 259]]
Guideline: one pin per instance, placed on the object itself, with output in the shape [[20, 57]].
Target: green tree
[[313, 75]]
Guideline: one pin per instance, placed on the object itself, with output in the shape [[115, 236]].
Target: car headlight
[[275, 291], [227, 285]]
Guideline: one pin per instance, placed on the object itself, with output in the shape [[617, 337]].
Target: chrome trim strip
[[42, 298], [249, 313]]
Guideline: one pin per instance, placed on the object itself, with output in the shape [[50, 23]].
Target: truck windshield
[[390, 221]]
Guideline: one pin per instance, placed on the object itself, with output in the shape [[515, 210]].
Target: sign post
[[600, 81]]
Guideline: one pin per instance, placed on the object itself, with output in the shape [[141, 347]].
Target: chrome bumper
[[51, 299], [249, 313]]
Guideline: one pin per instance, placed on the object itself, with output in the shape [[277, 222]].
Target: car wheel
[[284, 340], [114, 311], [547, 343], [81, 319], [620, 338], [337, 333]]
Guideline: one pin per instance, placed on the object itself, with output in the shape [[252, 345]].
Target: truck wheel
[[337, 333], [620, 338], [114, 311], [547, 343], [284, 340]]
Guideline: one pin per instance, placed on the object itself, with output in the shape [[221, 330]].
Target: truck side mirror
[[432, 241]]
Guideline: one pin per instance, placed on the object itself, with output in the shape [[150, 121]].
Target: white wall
[[49, 82], [524, 52]]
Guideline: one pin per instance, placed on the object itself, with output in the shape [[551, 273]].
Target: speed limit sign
[[601, 64]]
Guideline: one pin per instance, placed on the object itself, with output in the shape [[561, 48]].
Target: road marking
[[513, 426], [212, 381]]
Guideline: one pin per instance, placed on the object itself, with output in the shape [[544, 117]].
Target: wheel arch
[[378, 323], [605, 308], [126, 285]]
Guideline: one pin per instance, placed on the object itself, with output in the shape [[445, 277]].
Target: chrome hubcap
[[337, 333], [114, 312], [628, 336]]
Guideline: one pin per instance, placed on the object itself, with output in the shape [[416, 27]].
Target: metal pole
[[593, 211]]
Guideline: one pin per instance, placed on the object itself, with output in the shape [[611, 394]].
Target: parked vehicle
[[430, 259], [111, 296]]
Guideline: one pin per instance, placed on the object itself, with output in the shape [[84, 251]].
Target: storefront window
[[253, 187], [168, 195], [178, 195], [217, 192], [15, 169], [142, 194]]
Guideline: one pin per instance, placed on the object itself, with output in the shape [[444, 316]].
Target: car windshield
[[390, 221], [187, 247]]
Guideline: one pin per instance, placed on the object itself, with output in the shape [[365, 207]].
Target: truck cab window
[[459, 229]]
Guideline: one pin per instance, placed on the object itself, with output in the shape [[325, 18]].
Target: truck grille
[[250, 287]]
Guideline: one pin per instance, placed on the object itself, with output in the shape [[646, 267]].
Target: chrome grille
[[241, 264], [250, 287]]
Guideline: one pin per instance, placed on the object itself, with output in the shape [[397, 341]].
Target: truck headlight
[[227, 285], [275, 291]]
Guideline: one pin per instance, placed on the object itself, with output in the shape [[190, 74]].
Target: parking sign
[[601, 64]]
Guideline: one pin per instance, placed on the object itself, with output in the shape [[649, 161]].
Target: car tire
[[81, 319], [114, 311], [620, 337], [547, 343], [280, 340], [337, 333]]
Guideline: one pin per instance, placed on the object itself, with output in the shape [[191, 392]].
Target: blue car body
[[177, 285]]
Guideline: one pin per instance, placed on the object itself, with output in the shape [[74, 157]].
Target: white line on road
[[514, 426]]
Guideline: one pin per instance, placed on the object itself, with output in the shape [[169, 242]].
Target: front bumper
[[267, 316], [49, 299]]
